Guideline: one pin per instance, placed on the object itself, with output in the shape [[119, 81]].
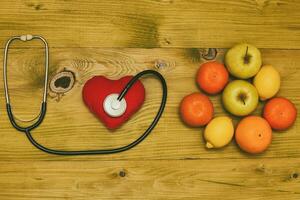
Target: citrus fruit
[[218, 132], [212, 77], [196, 109], [253, 134], [280, 112], [267, 82]]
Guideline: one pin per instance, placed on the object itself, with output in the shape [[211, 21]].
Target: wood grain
[[90, 37], [69, 124], [252, 179], [154, 23]]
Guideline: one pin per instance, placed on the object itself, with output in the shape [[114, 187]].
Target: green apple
[[243, 60], [240, 98]]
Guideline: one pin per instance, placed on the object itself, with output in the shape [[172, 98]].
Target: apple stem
[[244, 101], [242, 97], [247, 57]]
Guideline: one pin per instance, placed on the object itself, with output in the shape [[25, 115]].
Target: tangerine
[[280, 112], [212, 77], [196, 109]]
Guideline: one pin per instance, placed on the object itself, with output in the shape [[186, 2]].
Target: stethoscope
[[27, 130]]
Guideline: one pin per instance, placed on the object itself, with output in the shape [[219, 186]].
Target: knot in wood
[[294, 175], [62, 82], [209, 54]]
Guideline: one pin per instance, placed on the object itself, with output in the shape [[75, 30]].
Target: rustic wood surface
[[154, 23], [88, 38]]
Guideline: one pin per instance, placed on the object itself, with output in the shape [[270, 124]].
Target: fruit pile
[[251, 82]]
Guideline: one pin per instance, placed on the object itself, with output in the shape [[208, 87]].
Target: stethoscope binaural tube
[[7, 97], [27, 130]]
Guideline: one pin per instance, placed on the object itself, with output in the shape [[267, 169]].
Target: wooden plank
[[248, 179], [154, 23], [69, 124]]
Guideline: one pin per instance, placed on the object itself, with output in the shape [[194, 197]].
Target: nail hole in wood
[[38, 7], [167, 41], [161, 64], [294, 175], [122, 173]]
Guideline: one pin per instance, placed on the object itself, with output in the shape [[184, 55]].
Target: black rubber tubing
[[27, 130]]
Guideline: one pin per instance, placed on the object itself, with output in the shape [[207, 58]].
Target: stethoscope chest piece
[[114, 107]]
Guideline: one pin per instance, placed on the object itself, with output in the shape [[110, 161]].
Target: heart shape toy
[[98, 88]]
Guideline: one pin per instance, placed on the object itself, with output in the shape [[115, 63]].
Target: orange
[[212, 77], [280, 112], [253, 134], [196, 109]]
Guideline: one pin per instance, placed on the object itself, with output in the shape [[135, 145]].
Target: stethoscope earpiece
[[26, 37]]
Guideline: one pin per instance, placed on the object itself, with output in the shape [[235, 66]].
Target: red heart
[[98, 88]]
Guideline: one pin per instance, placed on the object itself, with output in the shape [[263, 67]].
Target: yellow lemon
[[218, 132], [267, 82]]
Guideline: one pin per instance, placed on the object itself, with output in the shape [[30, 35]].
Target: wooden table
[[116, 38]]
